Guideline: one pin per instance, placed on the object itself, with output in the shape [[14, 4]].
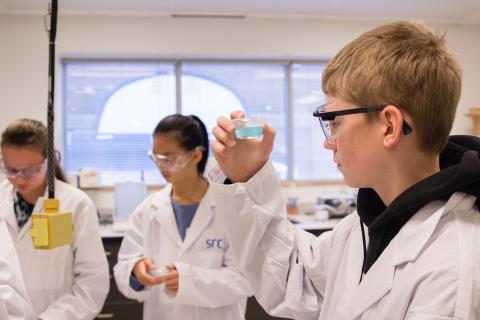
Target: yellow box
[[51, 229]]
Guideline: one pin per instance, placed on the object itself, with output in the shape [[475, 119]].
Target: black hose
[[51, 95]]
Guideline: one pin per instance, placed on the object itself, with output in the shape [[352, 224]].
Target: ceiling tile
[[439, 10]]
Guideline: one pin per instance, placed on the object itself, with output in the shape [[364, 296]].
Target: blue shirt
[[183, 215]]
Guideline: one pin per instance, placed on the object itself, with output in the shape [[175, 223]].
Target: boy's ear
[[392, 120]]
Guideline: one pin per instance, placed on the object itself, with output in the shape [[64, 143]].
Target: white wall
[[24, 51]]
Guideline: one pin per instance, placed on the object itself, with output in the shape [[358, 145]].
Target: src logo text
[[214, 243]]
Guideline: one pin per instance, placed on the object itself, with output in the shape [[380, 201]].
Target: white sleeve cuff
[[264, 188]]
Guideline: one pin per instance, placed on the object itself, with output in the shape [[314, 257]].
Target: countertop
[[308, 223]]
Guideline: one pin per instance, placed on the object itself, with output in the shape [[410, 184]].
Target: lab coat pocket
[[210, 259], [423, 316], [3, 310], [300, 294], [52, 269]]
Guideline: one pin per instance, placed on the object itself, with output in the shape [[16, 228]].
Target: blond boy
[[411, 251]]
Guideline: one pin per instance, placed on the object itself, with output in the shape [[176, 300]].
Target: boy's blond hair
[[406, 65]]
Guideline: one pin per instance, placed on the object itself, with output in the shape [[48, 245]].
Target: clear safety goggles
[[329, 126], [24, 172], [172, 162]]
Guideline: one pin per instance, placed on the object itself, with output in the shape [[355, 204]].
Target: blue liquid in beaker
[[249, 132]]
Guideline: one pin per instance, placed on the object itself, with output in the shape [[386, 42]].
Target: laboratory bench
[[117, 307]]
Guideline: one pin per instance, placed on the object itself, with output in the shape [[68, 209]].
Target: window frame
[[178, 63]]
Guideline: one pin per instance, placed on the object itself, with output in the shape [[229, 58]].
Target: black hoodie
[[459, 171]]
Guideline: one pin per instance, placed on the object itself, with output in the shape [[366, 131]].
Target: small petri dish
[[158, 272], [249, 128]]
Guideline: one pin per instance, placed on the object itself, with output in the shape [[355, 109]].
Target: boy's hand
[[240, 159]]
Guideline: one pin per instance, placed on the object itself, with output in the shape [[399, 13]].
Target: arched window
[[110, 109]]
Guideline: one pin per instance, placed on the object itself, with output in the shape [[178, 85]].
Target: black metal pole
[[51, 97]]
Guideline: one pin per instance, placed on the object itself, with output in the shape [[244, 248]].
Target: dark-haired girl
[[175, 233]]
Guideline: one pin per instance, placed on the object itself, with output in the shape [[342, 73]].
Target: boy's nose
[[329, 145]]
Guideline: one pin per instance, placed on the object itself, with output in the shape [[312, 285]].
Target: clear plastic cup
[[249, 128]]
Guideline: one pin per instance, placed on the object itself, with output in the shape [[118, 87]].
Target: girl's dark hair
[[30, 133], [189, 131]]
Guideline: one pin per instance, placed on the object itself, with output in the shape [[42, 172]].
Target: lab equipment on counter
[[127, 196], [88, 178], [249, 128], [292, 205], [336, 206]]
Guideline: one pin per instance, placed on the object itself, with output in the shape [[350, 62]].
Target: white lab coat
[[69, 282], [14, 303], [430, 270], [210, 286]]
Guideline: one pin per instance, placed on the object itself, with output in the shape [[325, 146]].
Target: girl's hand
[[141, 269], [171, 279]]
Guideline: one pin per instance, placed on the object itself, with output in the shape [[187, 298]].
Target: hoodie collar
[[459, 172]]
